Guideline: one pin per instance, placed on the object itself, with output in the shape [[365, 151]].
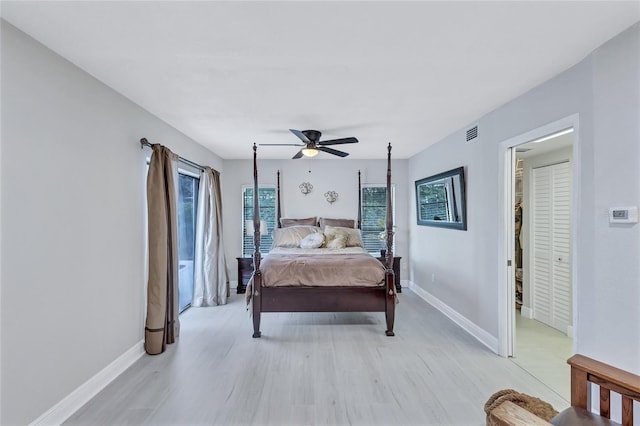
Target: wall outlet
[[433, 278]]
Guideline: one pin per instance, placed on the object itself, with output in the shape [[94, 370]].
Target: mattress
[[322, 267]]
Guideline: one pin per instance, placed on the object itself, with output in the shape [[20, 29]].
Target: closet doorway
[[541, 272]]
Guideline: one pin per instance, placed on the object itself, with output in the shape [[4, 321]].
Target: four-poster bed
[[346, 284]]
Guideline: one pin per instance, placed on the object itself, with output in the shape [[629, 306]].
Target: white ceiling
[[228, 74]]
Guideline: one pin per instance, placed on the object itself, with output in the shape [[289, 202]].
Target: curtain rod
[[144, 142]]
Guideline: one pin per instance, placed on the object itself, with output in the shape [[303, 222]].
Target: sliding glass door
[[187, 208]]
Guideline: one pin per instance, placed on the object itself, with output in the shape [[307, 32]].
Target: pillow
[[291, 236], [310, 221], [338, 241], [344, 223], [354, 239], [331, 233], [314, 240]]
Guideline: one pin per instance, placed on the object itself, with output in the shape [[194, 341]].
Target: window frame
[[380, 244], [265, 240]]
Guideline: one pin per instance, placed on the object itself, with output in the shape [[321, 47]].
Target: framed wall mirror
[[440, 200]]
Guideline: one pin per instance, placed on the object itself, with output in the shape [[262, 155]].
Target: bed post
[[389, 276], [389, 224], [257, 276], [278, 201], [359, 223]]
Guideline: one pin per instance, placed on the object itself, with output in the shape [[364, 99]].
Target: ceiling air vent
[[472, 133]]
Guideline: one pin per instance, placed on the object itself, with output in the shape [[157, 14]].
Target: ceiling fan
[[312, 144]]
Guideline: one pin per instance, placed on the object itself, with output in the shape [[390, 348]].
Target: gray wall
[[72, 213], [73, 230], [339, 175], [604, 89]]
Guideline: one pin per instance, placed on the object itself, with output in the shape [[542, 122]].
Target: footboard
[[323, 299]]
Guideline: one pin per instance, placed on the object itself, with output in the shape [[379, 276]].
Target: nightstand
[[396, 270], [245, 270]]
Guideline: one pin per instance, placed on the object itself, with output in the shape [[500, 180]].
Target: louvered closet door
[[551, 245]]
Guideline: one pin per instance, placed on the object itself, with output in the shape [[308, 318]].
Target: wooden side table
[[396, 270], [245, 270]]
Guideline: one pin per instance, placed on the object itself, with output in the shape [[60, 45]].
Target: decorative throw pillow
[[338, 241], [291, 236], [333, 232], [354, 238], [344, 223], [314, 240], [309, 221]]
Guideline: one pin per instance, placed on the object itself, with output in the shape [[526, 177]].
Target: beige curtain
[[162, 326], [211, 278]]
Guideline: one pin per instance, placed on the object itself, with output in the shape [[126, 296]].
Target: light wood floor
[[543, 351], [313, 369]]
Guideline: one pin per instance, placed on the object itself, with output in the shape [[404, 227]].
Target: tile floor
[[543, 352], [313, 368]]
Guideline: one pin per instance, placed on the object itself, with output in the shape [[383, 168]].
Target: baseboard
[[60, 412], [570, 331], [478, 333], [526, 312]]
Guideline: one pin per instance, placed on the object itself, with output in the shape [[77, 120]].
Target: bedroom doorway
[[542, 257], [539, 235]]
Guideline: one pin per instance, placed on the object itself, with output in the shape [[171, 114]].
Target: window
[[187, 213], [267, 202], [374, 217]]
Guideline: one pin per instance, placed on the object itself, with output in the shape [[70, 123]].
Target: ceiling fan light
[[309, 152]]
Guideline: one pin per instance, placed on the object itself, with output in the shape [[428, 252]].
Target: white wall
[[604, 89], [73, 212], [340, 175], [611, 293]]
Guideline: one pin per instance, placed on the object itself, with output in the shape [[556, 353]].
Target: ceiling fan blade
[[338, 141], [281, 144], [333, 151], [301, 135], [298, 155]]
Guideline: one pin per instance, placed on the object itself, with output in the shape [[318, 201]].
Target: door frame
[[506, 278]]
